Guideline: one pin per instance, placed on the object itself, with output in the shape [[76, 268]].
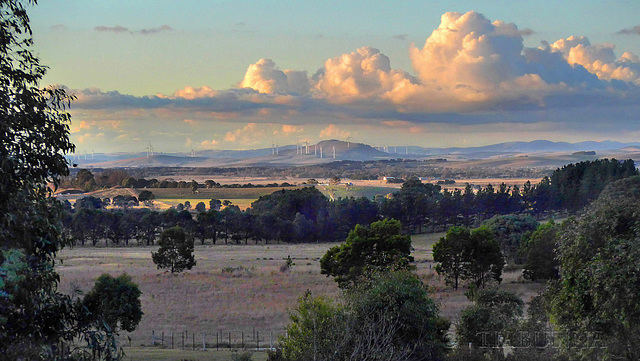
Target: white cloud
[[209, 144], [248, 135], [599, 59], [363, 74], [265, 77], [332, 131]]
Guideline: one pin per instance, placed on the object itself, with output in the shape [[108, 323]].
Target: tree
[[112, 305], [380, 245], [485, 260], [85, 180], [175, 252], [200, 207], [389, 316], [215, 204], [465, 254], [34, 135], [598, 292], [539, 252], [147, 197], [509, 231], [494, 313], [450, 254]]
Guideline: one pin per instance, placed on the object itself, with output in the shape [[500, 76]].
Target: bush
[[388, 316]]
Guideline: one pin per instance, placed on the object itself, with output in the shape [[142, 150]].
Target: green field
[[342, 191]]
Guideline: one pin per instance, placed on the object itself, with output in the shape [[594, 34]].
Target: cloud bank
[[468, 70]]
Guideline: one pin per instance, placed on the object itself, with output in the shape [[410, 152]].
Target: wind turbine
[[149, 149], [348, 142]]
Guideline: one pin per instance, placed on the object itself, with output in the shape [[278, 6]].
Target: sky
[[196, 75]]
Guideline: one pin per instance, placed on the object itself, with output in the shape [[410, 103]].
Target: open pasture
[[238, 288]]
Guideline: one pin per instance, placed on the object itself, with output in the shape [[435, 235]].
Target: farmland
[[238, 288]]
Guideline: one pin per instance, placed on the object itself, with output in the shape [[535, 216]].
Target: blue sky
[[189, 74]]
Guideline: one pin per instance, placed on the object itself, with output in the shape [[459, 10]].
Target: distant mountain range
[[335, 150], [536, 146]]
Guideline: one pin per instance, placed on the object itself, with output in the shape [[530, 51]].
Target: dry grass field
[[237, 288]]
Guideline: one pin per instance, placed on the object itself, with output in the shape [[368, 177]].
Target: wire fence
[[221, 340]]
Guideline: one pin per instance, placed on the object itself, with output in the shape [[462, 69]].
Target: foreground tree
[[175, 252], [379, 246], [34, 135], [388, 316], [494, 314], [112, 305], [598, 293]]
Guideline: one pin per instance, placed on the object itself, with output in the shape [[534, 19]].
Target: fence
[[220, 340]]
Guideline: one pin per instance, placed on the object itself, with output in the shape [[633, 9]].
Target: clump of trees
[[379, 246], [385, 313], [468, 254]]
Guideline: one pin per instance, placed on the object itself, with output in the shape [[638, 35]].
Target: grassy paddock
[[237, 288], [158, 354]]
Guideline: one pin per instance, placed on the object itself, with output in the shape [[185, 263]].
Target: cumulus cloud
[[291, 129], [249, 135], [265, 77], [363, 74], [468, 65], [332, 131], [599, 59], [630, 31], [209, 144], [469, 53]]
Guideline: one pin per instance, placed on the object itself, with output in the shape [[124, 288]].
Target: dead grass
[[251, 293], [157, 354]]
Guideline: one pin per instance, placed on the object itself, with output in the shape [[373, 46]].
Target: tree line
[[306, 215]]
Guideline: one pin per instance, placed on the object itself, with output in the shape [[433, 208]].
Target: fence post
[[217, 342], [204, 345], [242, 341], [153, 338], [257, 341], [162, 340], [172, 340], [193, 341], [229, 339], [271, 340]]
